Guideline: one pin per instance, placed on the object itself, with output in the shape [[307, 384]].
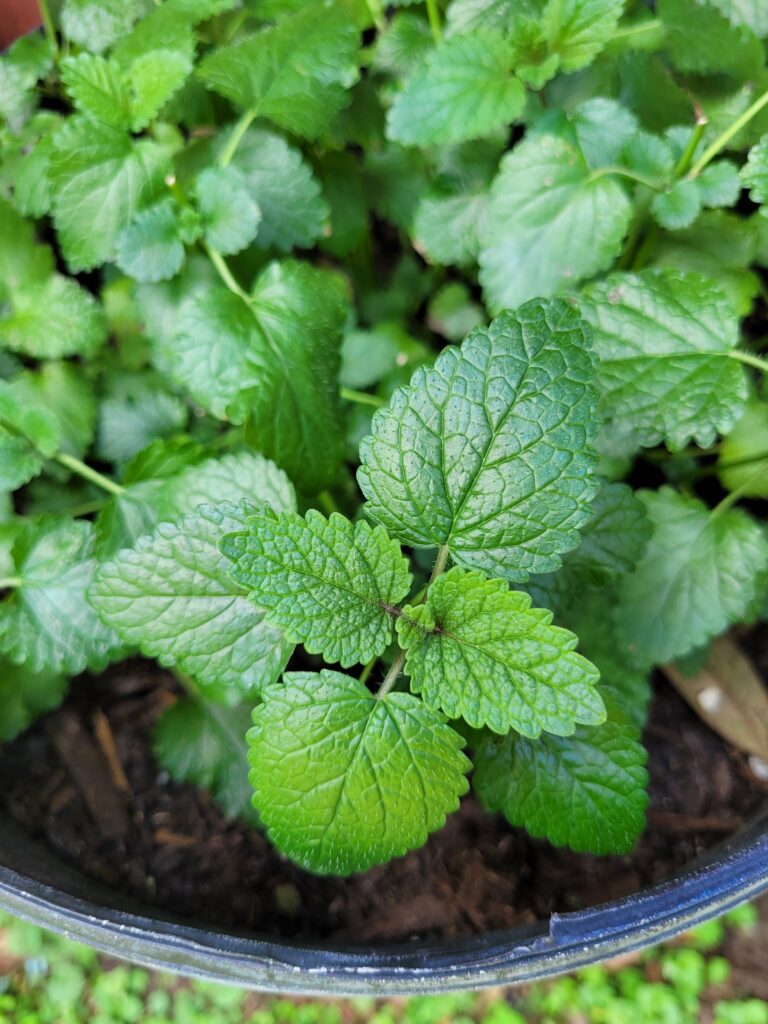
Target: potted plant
[[391, 375]]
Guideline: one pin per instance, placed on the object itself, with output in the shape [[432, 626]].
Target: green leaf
[[496, 15], [464, 90], [577, 30], [665, 344], [46, 622], [329, 584], [97, 24], [743, 450], [274, 359], [586, 791], [700, 573], [452, 312], [28, 436], [230, 216], [678, 207], [154, 78], [538, 241], [66, 393], [447, 228], [754, 173], [26, 61], [24, 696], [96, 87], [281, 183], [404, 43], [135, 411], [690, 27], [204, 744], [100, 178], [752, 14], [343, 781], [149, 248], [478, 651], [173, 597], [489, 452], [295, 73], [719, 184]]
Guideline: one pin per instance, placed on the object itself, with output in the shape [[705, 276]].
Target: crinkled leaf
[[24, 696], [329, 584], [97, 88], [154, 78], [273, 359], [173, 596], [205, 745], [754, 173], [577, 30], [67, 394], [690, 28], [230, 215], [489, 452], [478, 651], [46, 622], [53, 318], [464, 90], [700, 573], [665, 344], [100, 178], [28, 436], [97, 24], [149, 248], [343, 781], [753, 14], [135, 411], [27, 60], [297, 73]]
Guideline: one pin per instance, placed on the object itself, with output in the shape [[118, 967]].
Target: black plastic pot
[[35, 885]]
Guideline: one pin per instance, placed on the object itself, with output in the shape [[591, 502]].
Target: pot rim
[[50, 894]]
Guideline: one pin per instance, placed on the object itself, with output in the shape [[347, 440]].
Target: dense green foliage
[[402, 336]]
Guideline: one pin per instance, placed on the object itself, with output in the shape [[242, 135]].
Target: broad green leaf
[[752, 14], [149, 248], [496, 15], [297, 73], [23, 262], [719, 184], [68, 395], [665, 344], [97, 88], [97, 24], [204, 744], [281, 183], [447, 228], [28, 436], [744, 451], [135, 411], [343, 781], [403, 45], [489, 452], [754, 173], [46, 623], [329, 584], [550, 220], [28, 166], [478, 651], [24, 696], [691, 26], [368, 357], [464, 90], [272, 358], [230, 216], [173, 596], [100, 178], [678, 207], [700, 573], [586, 791], [154, 78], [577, 30], [26, 61]]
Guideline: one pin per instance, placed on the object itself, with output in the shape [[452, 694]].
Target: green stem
[[225, 273], [738, 492], [241, 127], [749, 359], [623, 172], [433, 13], [80, 468], [9, 582], [725, 137], [235, 741], [688, 153], [361, 397], [47, 20], [328, 502], [746, 461], [652, 25], [367, 670], [440, 563]]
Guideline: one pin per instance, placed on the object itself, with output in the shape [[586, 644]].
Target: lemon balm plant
[[342, 334]]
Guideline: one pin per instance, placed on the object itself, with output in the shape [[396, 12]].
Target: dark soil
[[85, 781]]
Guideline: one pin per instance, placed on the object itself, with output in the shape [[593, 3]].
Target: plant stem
[[440, 563], [749, 359], [367, 670], [225, 273], [688, 153], [328, 502], [241, 127], [601, 172], [652, 25], [361, 397], [9, 582], [80, 468], [433, 14], [725, 137], [50, 31], [738, 492]]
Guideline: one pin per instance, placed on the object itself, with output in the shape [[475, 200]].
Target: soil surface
[[84, 780]]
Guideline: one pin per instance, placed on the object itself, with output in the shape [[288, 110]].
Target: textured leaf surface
[[664, 343], [343, 781], [464, 90], [205, 745], [229, 213], [691, 25], [60, 389], [296, 73], [174, 597], [479, 651], [536, 240], [273, 359], [700, 573], [577, 30], [97, 24], [149, 248], [678, 207], [98, 89], [447, 228], [329, 584], [754, 173], [28, 436], [24, 696], [489, 452], [586, 791], [46, 622]]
